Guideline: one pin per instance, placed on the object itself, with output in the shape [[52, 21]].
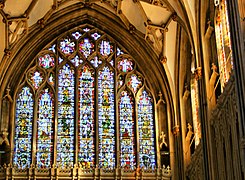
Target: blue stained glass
[[86, 118], [45, 129], [67, 46], [135, 82], [106, 118], [36, 79], [23, 128], [127, 137], [65, 134], [95, 36], [125, 65], [146, 131], [76, 35], [86, 47], [96, 61], [77, 61], [105, 48]]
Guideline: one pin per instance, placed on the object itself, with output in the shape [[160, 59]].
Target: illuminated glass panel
[[106, 118], [86, 47], [135, 82], [96, 61], [51, 79], [127, 133], [96, 36], [120, 81], [86, 117], [67, 46], [105, 48], [119, 52], [146, 131], [77, 61], [125, 65], [52, 48], [36, 79], [76, 35], [23, 128], [195, 111], [46, 61], [45, 129], [65, 134]]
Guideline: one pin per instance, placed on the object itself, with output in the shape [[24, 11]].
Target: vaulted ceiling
[[156, 20]]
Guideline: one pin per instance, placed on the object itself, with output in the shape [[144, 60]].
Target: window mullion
[[76, 101], [55, 114], [136, 132], [96, 115], [34, 132]]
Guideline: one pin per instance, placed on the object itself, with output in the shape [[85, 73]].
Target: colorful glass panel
[[36, 79], [119, 52], [96, 61], [45, 129], [135, 82], [67, 46], [86, 118], [23, 128], [46, 61], [146, 131], [95, 36], [105, 48], [65, 134], [77, 61], [125, 65], [106, 118], [52, 48], [51, 79], [86, 29], [127, 133], [76, 35], [86, 47], [120, 81]]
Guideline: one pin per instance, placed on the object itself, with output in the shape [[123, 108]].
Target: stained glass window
[[65, 138], [223, 42], [87, 94], [23, 128], [86, 117], [36, 78], [46, 61], [106, 118], [127, 131], [45, 128], [146, 131]]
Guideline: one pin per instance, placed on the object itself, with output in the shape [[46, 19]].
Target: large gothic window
[[223, 42], [84, 101]]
